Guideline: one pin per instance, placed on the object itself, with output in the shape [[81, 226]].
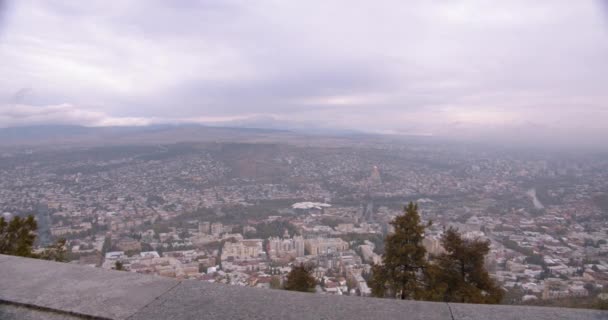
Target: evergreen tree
[[462, 271], [107, 245], [55, 252], [378, 281], [275, 282], [433, 288], [401, 273], [17, 236], [300, 279]]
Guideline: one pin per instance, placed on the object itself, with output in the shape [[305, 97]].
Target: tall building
[[242, 250], [299, 245], [217, 228], [286, 247], [319, 246]]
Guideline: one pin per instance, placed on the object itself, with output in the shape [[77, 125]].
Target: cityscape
[[245, 213]]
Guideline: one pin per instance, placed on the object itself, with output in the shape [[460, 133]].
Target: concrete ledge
[[33, 287], [14, 312], [463, 311], [76, 289], [196, 300]]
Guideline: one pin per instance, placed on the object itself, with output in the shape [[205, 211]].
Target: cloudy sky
[[414, 67]]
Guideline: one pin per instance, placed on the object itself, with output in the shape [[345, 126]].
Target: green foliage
[[457, 275], [403, 260], [331, 222], [154, 200], [55, 252], [462, 270], [107, 245], [434, 285], [535, 259], [510, 244], [357, 239], [273, 229], [378, 281], [300, 279], [17, 236]]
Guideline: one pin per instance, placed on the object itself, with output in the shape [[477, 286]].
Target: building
[[319, 246], [217, 228], [128, 244], [242, 250], [286, 247], [556, 288], [367, 251], [432, 244]]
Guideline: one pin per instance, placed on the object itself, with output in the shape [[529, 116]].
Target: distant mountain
[[37, 132], [62, 134], [255, 131], [273, 123]]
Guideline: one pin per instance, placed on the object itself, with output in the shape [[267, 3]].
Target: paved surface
[[12, 312], [463, 311], [196, 300], [77, 291]]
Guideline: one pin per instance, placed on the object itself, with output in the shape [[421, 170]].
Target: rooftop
[[37, 289]]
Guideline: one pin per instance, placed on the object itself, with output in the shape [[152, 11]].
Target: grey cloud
[[447, 66], [65, 114]]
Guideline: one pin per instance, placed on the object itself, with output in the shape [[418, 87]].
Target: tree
[[434, 287], [300, 279], [17, 237], [400, 274], [535, 259], [462, 270], [378, 281], [107, 245], [55, 252], [275, 282]]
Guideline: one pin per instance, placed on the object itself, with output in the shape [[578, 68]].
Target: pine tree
[[378, 281], [401, 272], [55, 252], [462, 270], [433, 288], [300, 279], [17, 236]]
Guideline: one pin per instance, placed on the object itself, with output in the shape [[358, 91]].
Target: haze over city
[[513, 71]]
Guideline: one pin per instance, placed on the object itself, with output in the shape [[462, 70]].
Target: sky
[[519, 69]]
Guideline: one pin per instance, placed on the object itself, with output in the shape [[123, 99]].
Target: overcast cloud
[[463, 68]]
